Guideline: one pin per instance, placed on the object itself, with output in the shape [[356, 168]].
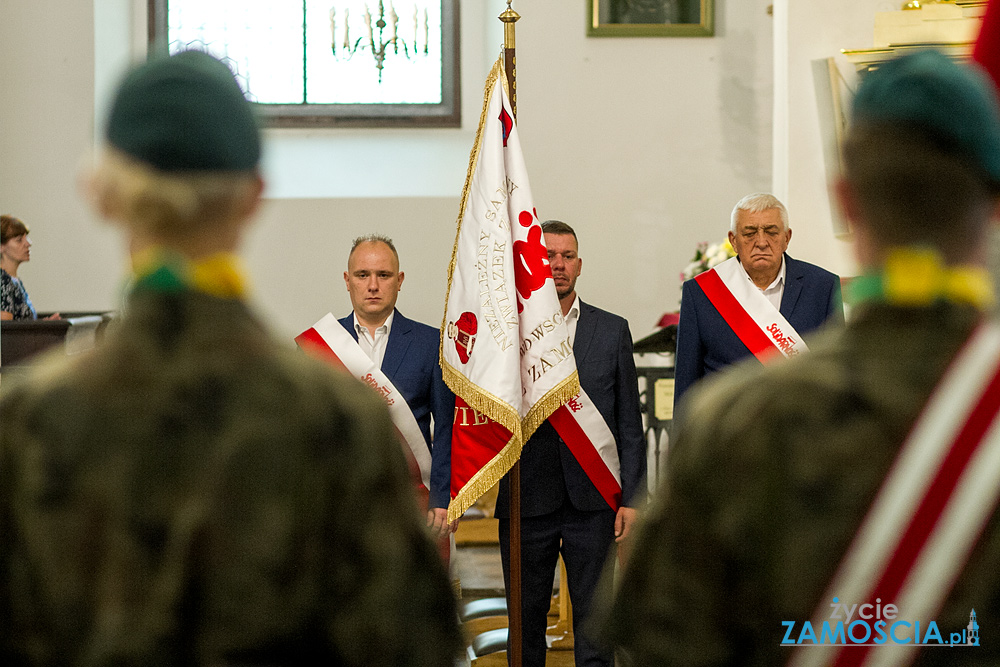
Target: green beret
[[954, 104], [185, 112]]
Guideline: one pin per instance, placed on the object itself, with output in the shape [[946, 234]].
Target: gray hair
[[373, 238], [756, 203]]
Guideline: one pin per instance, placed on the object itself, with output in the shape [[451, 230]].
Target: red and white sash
[[582, 427], [932, 507], [331, 342], [748, 312]]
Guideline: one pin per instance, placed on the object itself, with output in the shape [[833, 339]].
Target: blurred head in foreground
[[922, 159], [180, 165]]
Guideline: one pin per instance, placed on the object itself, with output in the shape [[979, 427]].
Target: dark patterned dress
[[14, 298]]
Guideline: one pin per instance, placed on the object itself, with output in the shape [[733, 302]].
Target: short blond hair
[[167, 205]]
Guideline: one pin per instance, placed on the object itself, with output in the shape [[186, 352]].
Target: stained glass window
[[318, 62]]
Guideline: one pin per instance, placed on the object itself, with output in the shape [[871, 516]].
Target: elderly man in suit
[[407, 353], [758, 303], [562, 510]]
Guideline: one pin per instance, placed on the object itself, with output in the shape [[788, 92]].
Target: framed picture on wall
[[651, 18]]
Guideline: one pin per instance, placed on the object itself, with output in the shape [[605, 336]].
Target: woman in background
[[15, 249]]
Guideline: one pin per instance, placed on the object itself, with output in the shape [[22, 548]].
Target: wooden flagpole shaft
[[509, 18]]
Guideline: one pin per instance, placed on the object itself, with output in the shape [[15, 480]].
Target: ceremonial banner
[[505, 348], [941, 490], [754, 320], [329, 341]]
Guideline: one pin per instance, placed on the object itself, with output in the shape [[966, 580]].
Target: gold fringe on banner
[[485, 479], [549, 403], [496, 409], [496, 71]]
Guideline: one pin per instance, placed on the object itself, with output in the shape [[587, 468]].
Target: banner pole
[[509, 17]]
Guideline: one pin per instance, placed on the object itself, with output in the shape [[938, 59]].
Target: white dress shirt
[[374, 347], [776, 289], [572, 317]]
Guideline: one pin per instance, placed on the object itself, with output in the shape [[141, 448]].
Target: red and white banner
[[748, 312], [505, 348], [329, 341], [930, 511]]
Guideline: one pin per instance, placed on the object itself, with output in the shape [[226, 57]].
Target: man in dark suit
[[407, 352], [561, 509], [806, 295]]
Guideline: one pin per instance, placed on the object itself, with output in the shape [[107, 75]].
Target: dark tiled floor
[[479, 571], [479, 568]]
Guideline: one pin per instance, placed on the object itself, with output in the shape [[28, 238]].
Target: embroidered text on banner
[[505, 348]]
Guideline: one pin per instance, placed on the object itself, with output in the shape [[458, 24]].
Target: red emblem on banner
[[506, 124], [531, 260], [463, 333]]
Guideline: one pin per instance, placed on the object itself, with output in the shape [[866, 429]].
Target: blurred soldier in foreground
[[189, 493], [849, 496]]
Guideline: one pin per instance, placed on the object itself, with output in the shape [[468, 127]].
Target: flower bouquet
[[706, 257]]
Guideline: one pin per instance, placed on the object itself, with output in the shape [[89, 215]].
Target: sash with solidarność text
[[331, 342], [754, 320]]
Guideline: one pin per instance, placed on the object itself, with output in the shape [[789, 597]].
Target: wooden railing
[[22, 340]]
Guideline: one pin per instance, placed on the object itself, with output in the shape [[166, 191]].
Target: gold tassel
[[485, 479]]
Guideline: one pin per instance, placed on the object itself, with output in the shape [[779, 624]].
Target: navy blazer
[[549, 471], [411, 364], [705, 343]]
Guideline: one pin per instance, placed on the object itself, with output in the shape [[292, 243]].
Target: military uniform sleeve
[[392, 583], [6, 621], [675, 605], [334, 506]]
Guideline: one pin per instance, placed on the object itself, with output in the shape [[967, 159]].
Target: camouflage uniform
[[189, 494], [770, 477]]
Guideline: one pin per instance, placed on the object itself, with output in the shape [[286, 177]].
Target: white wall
[[46, 127], [806, 31], [643, 144]]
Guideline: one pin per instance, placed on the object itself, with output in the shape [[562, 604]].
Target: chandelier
[[382, 34]]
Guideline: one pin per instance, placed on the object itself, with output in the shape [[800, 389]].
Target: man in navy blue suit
[[805, 295], [407, 353], [561, 508]]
